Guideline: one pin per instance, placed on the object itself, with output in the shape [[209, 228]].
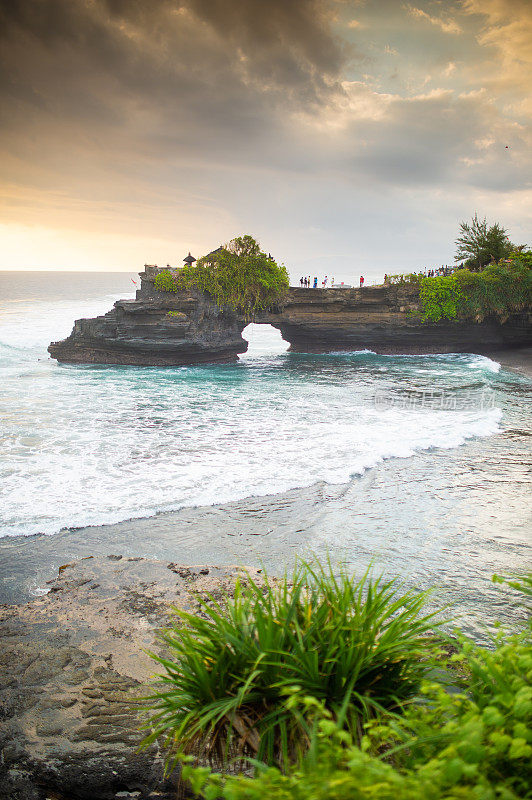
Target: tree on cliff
[[238, 274], [480, 244]]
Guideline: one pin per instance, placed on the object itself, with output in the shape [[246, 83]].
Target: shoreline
[[75, 665], [516, 361], [453, 524], [519, 360]]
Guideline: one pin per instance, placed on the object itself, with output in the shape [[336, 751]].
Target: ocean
[[418, 465]]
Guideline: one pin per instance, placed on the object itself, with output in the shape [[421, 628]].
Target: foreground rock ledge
[[71, 663]]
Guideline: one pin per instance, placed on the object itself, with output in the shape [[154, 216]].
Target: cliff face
[[161, 330], [386, 319], [166, 329]]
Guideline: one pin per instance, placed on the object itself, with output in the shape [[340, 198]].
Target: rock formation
[[167, 329], [73, 664]]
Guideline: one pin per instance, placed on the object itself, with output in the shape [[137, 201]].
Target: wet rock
[[70, 680]]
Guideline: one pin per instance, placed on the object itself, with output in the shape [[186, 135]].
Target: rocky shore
[[73, 665]]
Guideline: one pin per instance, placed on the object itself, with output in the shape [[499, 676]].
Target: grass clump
[[474, 743], [237, 675]]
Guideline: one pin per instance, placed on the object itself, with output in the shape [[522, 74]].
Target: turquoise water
[[93, 445]]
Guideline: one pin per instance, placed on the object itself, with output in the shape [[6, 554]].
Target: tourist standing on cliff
[[361, 281], [324, 282], [315, 284], [301, 282]]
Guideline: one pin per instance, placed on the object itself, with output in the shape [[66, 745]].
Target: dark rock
[[148, 333]]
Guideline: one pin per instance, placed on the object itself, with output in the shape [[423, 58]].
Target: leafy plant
[[358, 647], [498, 290], [165, 281], [440, 298], [474, 743], [482, 244]]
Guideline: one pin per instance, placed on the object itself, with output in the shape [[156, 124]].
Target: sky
[[348, 136]]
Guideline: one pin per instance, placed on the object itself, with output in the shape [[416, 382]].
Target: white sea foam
[[93, 445], [484, 363]]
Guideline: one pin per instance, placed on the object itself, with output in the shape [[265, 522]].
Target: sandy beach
[[517, 360]]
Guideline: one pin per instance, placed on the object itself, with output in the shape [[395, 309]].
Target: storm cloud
[[176, 123]]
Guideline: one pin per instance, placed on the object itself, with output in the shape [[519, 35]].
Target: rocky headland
[[175, 329], [73, 666]]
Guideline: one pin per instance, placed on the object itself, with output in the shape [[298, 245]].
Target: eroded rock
[[73, 667]]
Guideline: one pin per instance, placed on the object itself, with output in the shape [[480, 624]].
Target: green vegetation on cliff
[[238, 275], [499, 290]]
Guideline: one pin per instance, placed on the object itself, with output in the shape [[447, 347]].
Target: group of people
[[312, 283], [308, 283]]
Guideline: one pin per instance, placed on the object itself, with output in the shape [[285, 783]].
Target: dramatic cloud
[[134, 129], [447, 25], [507, 32]]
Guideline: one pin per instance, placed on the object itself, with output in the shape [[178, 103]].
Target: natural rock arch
[[167, 329]]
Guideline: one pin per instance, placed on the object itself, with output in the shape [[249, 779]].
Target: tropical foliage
[[165, 281], [239, 275], [480, 244], [470, 740], [357, 647], [440, 297], [499, 290]]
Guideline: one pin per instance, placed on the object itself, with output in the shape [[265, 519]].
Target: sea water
[[96, 444]]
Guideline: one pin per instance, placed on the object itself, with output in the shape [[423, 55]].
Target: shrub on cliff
[[499, 290], [165, 281], [440, 298], [238, 275], [358, 647]]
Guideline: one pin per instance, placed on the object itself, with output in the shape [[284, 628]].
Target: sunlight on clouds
[[508, 28], [450, 69], [30, 247], [135, 130], [484, 143], [446, 25], [359, 102]]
